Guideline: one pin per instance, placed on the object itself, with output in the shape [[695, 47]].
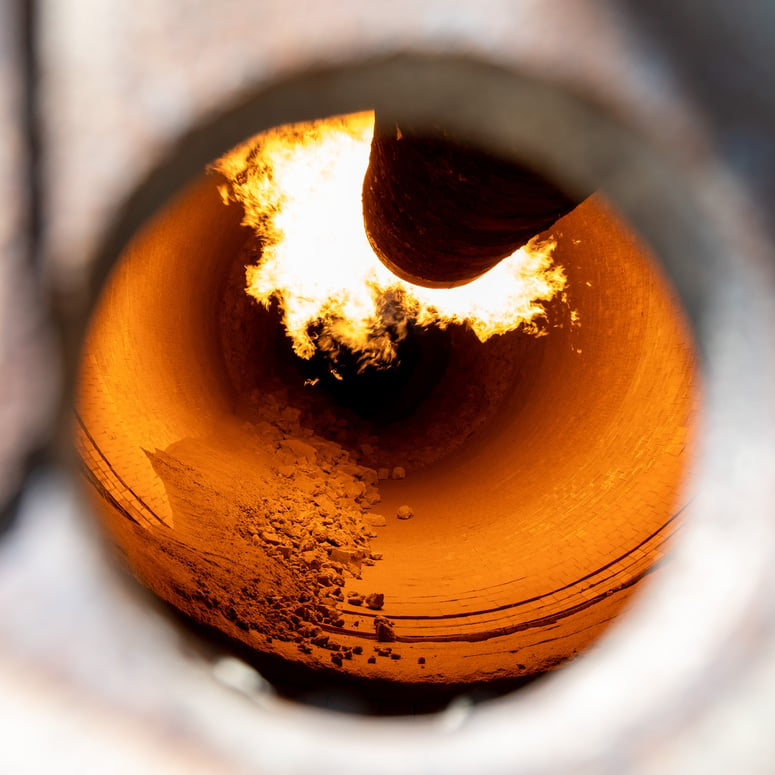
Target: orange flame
[[300, 186]]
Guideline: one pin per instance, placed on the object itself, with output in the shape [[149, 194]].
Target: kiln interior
[[260, 497]]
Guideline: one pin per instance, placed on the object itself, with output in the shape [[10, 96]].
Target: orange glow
[[300, 186], [544, 474]]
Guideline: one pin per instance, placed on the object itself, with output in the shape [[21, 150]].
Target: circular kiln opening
[[438, 509]]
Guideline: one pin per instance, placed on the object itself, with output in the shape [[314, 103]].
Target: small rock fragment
[[312, 559], [372, 660], [405, 512], [368, 475], [421, 661], [300, 449], [375, 600], [399, 472], [353, 489], [326, 577], [270, 537], [375, 520], [345, 556], [372, 497], [384, 630], [326, 503], [355, 599]]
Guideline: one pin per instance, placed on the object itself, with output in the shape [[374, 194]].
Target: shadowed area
[[440, 213]]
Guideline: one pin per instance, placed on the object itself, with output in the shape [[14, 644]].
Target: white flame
[[300, 186]]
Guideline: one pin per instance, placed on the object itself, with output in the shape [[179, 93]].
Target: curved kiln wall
[[527, 539]]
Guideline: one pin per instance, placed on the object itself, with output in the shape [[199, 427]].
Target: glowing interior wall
[[151, 368], [526, 541]]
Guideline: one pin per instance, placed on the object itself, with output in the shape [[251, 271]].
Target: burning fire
[[300, 186]]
